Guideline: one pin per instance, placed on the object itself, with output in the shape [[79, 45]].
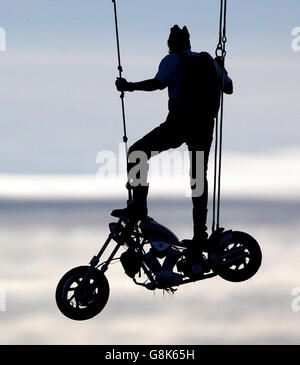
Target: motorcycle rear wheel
[[239, 257]]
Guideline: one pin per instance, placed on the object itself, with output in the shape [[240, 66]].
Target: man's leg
[[160, 139], [202, 142], [199, 201]]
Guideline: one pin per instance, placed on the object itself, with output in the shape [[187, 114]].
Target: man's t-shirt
[[170, 73]]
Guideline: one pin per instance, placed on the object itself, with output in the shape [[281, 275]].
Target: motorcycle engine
[[191, 265], [160, 249]]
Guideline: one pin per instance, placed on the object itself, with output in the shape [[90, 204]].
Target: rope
[[215, 173], [220, 52], [120, 69]]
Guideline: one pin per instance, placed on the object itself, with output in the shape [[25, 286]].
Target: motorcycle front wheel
[[82, 293]]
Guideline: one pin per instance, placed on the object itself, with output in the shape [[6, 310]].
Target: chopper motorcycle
[[154, 252]]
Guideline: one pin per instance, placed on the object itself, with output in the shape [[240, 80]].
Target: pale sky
[[59, 109], [59, 106]]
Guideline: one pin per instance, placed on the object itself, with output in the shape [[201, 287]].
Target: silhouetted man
[[194, 82]]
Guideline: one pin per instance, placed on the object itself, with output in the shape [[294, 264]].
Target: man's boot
[[199, 241], [137, 207], [200, 229]]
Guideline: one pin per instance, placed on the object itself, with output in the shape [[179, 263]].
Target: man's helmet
[[179, 39]]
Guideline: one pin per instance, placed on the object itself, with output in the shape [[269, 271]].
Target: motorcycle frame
[[117, 228]]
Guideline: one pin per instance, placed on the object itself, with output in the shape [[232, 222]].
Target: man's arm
[[146, 85], [167, 67]]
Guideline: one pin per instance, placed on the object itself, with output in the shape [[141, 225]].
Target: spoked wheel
[[239, 257], [80, 296]]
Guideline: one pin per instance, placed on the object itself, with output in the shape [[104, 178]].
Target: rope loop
[[219, 50]]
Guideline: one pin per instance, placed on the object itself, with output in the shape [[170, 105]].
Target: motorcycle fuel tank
[[155, 231]]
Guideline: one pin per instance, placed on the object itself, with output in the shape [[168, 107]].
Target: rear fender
[[218, 238], [218, 241], [226, 236]]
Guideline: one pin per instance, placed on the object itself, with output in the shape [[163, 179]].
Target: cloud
[[61, 109], [259, 176]]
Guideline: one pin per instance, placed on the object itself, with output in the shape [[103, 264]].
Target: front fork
[[95, 260], [115, 230]]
